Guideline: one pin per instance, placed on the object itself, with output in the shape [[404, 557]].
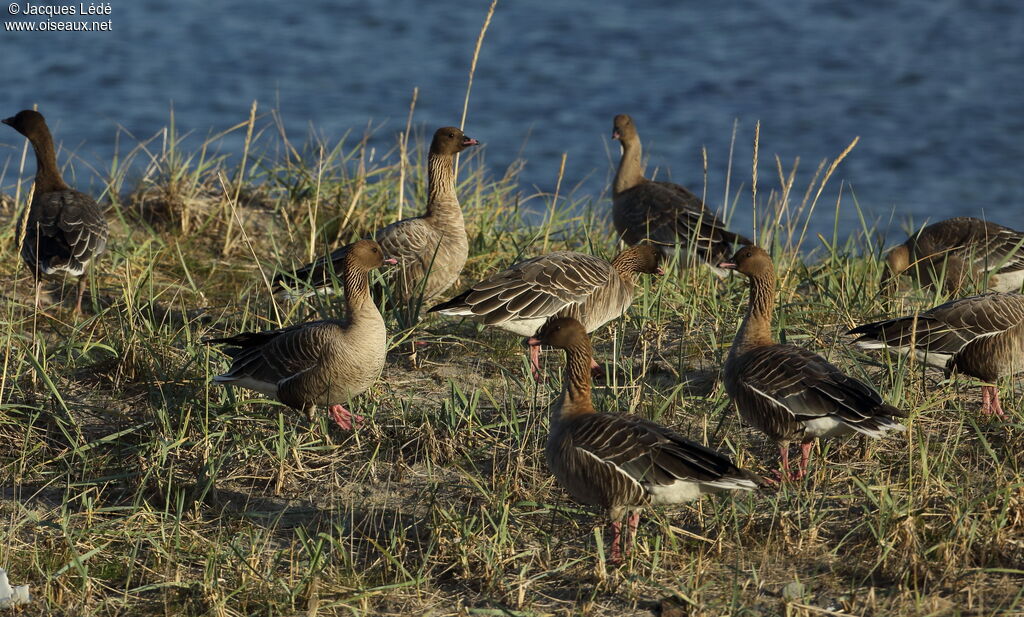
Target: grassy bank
[[131, 486]]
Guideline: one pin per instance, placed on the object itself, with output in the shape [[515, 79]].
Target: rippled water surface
[[935, 90]]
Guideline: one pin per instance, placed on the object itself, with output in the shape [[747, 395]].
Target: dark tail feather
[[456, 301]]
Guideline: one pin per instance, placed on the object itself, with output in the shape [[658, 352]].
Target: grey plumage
[[787, 392], [560, 284], [322, 362], [667, 214], [960, 252], [431, 249], [981, 336]]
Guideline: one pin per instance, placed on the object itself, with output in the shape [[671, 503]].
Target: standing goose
[[531, 293], [319, 362], [432, 248], [663, 212], [65, 229], [787, 392], [622, 463], [981, 336], [958, 251]]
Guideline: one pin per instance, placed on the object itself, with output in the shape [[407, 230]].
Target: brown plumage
[[981, 336], [662, 212], [622, 464], [959, 253], [65, 229], [431, 249], [320, 362], [527, 295], [787, 392]]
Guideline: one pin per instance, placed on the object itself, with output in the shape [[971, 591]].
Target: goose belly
[[1007, 282]]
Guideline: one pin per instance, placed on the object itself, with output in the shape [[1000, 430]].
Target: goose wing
[[537, 288]]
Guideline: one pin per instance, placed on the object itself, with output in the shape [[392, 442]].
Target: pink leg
[[81, 292], [535, 364], [616, 557], [805, 458], [783, 472], [997, 408], [595, 369], [345, 418], [986, 401]]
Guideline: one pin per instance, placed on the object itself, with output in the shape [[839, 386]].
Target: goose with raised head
[[324, 362], [623, 464], [787, 392], [960, 252], [65, 229], [981, 336], [663, 212], [431, 249], [527, 295]]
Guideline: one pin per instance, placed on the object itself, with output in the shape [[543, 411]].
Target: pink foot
[[990, 402], [345, 418], [616, 552]]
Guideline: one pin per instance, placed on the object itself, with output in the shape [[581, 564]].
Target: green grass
[[132, 486]]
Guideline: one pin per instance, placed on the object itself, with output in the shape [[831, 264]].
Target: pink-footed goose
[[663, 212], [787, 392], [65, 229], [959, 252], [319, 362], [981, 336], [431, 249], [524, 297], [622, 463]]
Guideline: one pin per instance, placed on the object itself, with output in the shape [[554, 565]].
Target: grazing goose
[[65, 229], [319, 362], [981, 336], [431, 249], [562, 284], [622, 463], [787, 392], [663, 212], [958, 251]]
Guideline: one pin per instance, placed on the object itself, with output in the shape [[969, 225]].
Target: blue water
[[935, 90]]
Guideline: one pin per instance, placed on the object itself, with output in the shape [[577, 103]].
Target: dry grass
[[133, 487]]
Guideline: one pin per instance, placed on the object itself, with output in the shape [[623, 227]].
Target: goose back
[[960, 250], [560, 284], [790, 393], [981, 336]]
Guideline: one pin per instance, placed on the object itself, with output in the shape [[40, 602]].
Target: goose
[[981, 336], [65, 229], [622, 463], [319, 362], [957, 251], [561, 284], [663, 212], [432, 248], [787, 392]]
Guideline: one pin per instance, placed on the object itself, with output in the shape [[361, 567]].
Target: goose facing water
[[787, 392], [663, 212], [65, 229], [622, 464]]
